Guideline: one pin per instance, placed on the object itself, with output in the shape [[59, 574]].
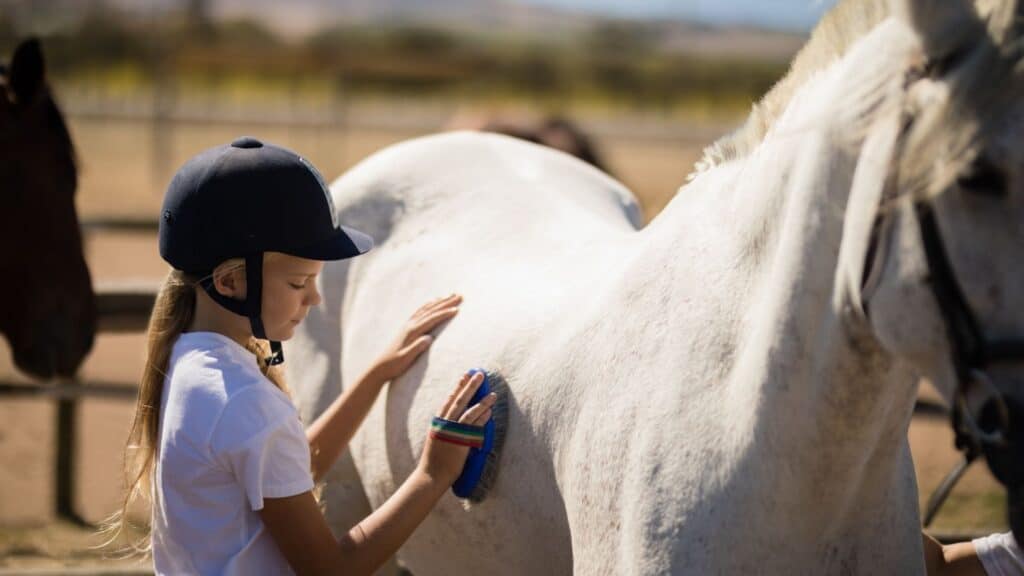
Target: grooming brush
[[481, 469]]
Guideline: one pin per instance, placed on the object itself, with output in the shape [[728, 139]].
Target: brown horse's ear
[[27, 77]]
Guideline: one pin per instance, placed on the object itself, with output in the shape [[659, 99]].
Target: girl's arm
[[300, 531], [331, 432], [958, 559]]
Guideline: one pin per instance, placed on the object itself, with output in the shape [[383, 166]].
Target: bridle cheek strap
[[997, 431]]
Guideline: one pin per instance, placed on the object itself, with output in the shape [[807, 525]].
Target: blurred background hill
[[464, 49]]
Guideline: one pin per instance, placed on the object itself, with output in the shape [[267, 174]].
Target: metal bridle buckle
[[974, 432]]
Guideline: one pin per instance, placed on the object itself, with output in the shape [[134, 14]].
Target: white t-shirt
[[228, 438], [1000, 555]]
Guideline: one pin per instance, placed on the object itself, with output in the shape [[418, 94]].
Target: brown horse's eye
[[984, 178]]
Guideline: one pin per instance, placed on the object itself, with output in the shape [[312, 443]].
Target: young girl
[[216, 442]]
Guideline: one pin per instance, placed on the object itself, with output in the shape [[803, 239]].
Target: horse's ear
[[944, 26], [28, 71]]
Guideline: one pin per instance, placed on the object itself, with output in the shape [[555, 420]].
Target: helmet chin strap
[[250, 307]]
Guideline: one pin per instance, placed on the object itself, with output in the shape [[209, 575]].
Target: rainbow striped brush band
[[456, 433]]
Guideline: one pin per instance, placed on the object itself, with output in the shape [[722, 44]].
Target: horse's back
[[462, 171], [439, 205], [518, 229]]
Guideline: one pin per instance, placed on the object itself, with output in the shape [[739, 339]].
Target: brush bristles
[[499, 412]]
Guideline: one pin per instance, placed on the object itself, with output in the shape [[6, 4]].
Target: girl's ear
[[230, 281]]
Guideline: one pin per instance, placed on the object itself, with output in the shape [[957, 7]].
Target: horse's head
[[943, 289], [47, 308]]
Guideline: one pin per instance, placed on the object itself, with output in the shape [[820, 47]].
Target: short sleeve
[[1000, 555], [260, 440]]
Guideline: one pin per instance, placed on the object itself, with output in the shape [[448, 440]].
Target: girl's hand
[[414, 338], [442, 460]]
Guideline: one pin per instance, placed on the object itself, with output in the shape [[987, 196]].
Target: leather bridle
[[993, 429]]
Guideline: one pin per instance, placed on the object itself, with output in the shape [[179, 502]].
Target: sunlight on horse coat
[[726, 391]]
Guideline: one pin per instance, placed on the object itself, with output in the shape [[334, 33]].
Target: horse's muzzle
[[57, 344]]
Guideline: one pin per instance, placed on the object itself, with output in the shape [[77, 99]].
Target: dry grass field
[[123, 175]]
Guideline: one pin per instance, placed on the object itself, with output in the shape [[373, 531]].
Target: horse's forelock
[[978, 113], [1005, 18]]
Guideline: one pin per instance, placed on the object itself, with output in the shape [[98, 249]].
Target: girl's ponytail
[[172, 313]]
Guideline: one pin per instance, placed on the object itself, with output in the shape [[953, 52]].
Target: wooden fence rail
[[124, 306]]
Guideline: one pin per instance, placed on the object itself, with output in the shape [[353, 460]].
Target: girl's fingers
[[418, 346], [430, 321], [482, 418], [448, 301], [450, 401], [473, 415], [465, 393], [435, 304]]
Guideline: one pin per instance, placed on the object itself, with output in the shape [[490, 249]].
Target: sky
[[783, 14]]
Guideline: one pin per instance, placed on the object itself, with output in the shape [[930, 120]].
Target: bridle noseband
[[992, 432]]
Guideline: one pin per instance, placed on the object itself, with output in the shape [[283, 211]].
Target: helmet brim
[[344, 243]]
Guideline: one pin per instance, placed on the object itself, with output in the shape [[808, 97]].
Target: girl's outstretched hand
[[415, 337], [442, 460]]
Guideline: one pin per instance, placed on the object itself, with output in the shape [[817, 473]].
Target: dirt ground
[[121, 178]]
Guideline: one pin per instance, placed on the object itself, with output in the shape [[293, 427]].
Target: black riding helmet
[[241, 200]]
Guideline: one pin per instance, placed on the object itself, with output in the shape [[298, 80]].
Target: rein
[[986, 431]]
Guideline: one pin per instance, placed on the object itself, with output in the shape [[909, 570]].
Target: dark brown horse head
[[47, 308]]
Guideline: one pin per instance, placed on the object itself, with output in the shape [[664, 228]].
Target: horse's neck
[[760, 246]]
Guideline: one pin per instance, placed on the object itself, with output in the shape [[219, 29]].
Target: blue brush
[[481, 467]]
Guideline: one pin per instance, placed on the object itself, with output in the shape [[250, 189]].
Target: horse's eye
[[939, 66], [984, 178]]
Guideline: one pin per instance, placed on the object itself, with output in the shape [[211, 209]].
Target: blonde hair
[[173, 312]]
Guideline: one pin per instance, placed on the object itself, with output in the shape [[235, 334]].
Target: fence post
[[67, 411]]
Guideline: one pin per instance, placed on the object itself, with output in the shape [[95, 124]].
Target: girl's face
[[289, 289]]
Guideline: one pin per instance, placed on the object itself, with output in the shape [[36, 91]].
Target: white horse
[[728, 390]]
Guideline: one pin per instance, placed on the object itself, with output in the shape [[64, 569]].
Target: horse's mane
[[839, 29]]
